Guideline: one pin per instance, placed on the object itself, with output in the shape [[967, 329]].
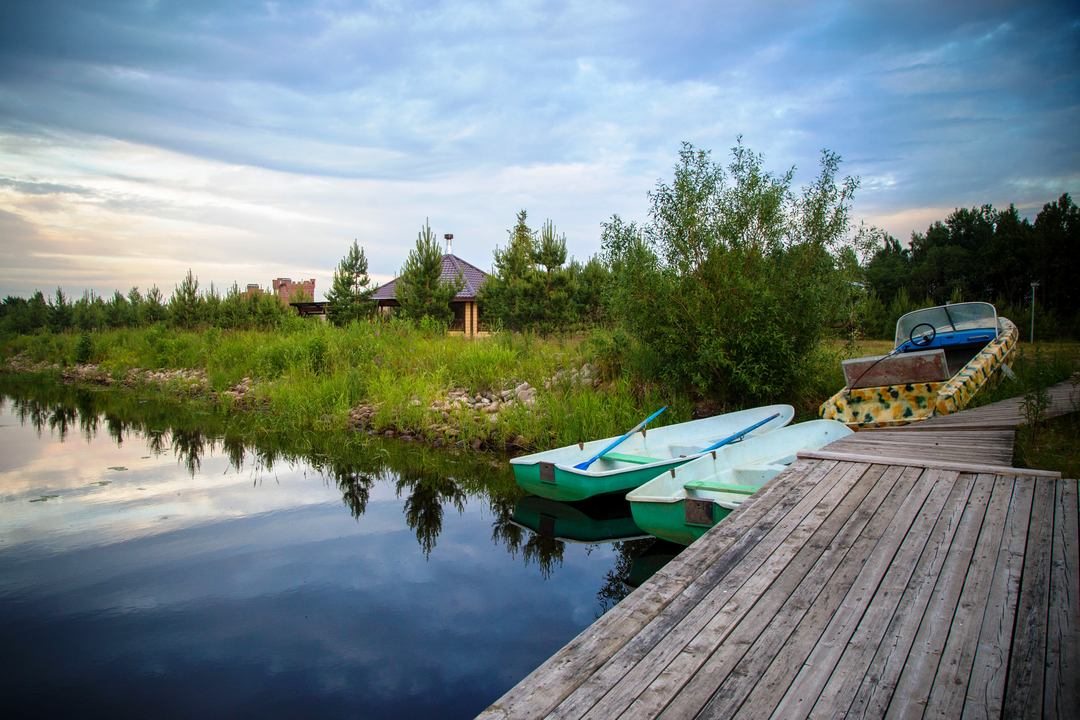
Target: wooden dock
[[894, 574]]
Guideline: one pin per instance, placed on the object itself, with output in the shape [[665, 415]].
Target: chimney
[[449, 237]]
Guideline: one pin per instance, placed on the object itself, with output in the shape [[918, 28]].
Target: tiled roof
[[452, 266]]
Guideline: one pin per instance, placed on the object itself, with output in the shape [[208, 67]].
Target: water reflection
[[169, 559], [429, 482]]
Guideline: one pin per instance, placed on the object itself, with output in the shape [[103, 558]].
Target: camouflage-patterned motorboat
[[942, 357]]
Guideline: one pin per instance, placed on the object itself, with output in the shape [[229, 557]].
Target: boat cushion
[[635, 459], [716, 486]]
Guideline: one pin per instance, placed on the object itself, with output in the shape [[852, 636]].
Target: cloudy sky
[[252, 140]]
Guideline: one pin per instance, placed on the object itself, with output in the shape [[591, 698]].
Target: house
[[287, 290], [466, 314]]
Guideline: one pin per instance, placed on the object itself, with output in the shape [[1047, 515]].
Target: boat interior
[[931, 345]]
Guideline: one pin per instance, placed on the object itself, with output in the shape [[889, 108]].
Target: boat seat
[[634, 459], [716, 486], [908, 367]]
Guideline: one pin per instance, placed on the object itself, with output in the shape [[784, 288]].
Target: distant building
[[287, 290], [466, 312], [252, 290]]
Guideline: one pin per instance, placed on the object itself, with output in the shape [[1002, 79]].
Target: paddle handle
[[584, 465], [741, 433]]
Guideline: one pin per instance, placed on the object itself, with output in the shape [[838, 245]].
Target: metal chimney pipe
[[449, 237]]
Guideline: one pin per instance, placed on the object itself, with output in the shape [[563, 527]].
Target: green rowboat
[[551, 474], [682, 504], [597, 520]]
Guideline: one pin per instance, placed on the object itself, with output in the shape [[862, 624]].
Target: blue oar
[[584, 465], [732, 438]]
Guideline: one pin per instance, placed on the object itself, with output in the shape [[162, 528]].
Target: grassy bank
[[310, 376]]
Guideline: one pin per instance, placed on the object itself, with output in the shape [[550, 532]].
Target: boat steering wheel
[[924, 338]]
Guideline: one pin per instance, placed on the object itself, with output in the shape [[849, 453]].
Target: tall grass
[[309, 376]]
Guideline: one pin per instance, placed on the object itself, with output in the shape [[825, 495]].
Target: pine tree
[[420, 289], [60, 313], [350, 297], [184, 310]]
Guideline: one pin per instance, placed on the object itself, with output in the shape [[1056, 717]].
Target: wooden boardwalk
[[926, 585]]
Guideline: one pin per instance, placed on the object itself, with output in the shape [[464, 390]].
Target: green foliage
[[420, 289], [350, 297], [532, 289], [733, 282], [84, 350], [61, 314], [185, 306], [985, 254]]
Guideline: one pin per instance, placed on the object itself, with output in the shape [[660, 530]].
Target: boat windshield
[[955, 318]]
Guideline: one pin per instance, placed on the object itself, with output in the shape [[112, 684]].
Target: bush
[[84, 349], [733, 282]]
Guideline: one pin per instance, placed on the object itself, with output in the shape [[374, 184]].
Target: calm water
[[151, 568]]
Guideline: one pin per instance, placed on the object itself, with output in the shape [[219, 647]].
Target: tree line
[[982, 254], [186, 308], [726, 287]]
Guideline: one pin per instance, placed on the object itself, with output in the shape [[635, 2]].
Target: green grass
[[1052, 447], [308, 376]]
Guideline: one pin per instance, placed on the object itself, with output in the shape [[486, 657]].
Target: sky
[[252, 140]]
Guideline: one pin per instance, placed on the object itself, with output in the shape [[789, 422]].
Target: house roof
[[452, 266]]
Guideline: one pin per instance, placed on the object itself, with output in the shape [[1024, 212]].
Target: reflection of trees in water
[[503, 530], [616, 581], [189, 447], [355, 486], [61, 420], [546, 552], [235, 450], [424, 504], [87, 411], [428, 480], [157, 440], [116, 428]]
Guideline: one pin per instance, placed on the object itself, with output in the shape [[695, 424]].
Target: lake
[[151, 564]]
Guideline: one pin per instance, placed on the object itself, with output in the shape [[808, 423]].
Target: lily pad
[[44, 498]]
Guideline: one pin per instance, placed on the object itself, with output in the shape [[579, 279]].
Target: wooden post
[[468, 320]]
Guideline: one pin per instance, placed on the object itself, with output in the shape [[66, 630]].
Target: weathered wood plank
[[905, 539], [704, 664], [939, 464], [675, 656], [912, 689], [986, 685], [873, 696], [949, 690], [854, 581], [1061, 698], [1024, 681], [917, 557], [972, 455], [543, 689], [699, 604]]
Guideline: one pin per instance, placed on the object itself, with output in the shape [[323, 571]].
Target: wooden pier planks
[[904, 572], [853, 589]]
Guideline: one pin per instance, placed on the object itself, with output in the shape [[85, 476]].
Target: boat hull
[[603, 520], [680, 506], [668, 521], [894, 405], [552, 474]]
